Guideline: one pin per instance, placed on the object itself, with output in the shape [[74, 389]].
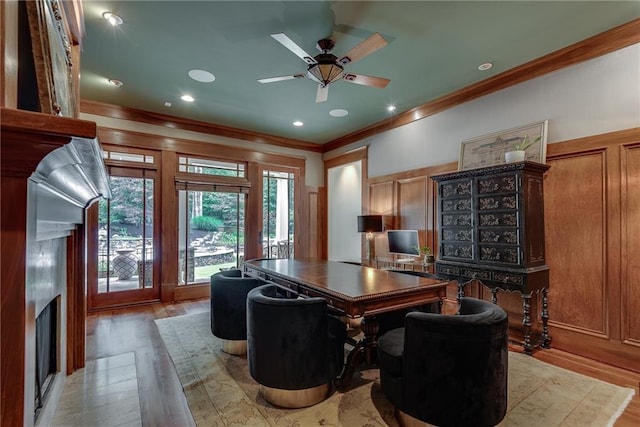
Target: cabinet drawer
[[447, 270], [449, 220], [457, 234], [508, 236], [498, 184], [486, 203], [454, 205], [507, 219], [456, 188], [500, 254], [473, 273], [507, 278], [460, 251]]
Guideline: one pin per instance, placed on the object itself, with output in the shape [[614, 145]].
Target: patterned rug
[[220, 391]]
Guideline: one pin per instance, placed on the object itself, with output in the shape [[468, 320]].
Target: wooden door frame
[[96, 301], [297, 205]]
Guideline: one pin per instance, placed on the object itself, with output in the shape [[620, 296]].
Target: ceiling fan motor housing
[[325, 45]]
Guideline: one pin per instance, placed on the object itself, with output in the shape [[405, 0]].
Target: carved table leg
[[494, 292], [545, 339], [460, 290], [526, 322], [363, 352]]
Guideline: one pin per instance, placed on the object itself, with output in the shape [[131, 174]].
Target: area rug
[[221, 392]]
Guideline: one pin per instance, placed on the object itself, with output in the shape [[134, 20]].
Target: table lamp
[[370, 224]]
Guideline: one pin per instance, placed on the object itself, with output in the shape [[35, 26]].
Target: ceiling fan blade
[[366, 80], [363, 49], [323, 93], [283, 39], [281, 78]]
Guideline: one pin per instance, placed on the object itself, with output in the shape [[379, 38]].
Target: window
[[128, 157], [210, 167], [278, 214], [210, 233]]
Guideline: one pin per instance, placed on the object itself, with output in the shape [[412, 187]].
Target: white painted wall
[[597, 96], [344, 189]]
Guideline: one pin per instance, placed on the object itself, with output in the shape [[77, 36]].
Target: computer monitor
[[404, 243]]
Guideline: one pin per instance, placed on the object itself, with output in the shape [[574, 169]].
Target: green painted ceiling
[[434, 48]]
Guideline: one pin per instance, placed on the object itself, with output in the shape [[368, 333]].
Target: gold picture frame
[[51, 46], [489, 150]]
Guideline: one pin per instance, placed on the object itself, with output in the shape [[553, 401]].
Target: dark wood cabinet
[[491, 228]]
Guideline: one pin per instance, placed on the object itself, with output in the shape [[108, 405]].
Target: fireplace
[[51, 171], [46, 353]]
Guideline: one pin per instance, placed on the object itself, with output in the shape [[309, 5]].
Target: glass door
[[210, 233], [278, 214], [126, 272]]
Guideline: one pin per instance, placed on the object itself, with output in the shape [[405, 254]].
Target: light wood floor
[[162, 402]]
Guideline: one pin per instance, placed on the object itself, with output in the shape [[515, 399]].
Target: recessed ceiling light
[[113, 19], [391, 108], [485, 66], [187, 98], [338, 112], [298, 123], [202, 76], [167, 104], [116, 82]]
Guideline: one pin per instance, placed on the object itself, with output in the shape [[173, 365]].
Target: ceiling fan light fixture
[[325, 72]]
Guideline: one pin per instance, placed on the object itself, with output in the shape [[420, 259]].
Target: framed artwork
[[489, 150], [51, 46]]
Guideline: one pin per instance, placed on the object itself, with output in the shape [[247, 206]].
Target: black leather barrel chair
[[448, 370], [229, 291], [295, 348]]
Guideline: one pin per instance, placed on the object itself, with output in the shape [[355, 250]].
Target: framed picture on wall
[[489, 150], [51, 46]]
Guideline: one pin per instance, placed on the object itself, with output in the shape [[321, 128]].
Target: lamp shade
[[370, 223]]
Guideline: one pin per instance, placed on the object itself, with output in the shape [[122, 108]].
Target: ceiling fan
[[326, 68]]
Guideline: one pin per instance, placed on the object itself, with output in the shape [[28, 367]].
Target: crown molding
[[601, 44], [172, 122]]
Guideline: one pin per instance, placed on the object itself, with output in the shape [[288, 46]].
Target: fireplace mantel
[[51, 171]]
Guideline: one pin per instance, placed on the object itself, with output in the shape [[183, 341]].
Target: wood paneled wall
[[592, 233], [410, 198], [592, 222]]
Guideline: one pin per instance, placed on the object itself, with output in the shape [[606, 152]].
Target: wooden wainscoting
[[592, 222], [592, 233]]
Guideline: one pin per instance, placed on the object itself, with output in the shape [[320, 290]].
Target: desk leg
[[545, 339], [363, 352], [526, 322]]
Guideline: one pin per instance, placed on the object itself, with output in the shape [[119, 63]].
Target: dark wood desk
[[352, 291]]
